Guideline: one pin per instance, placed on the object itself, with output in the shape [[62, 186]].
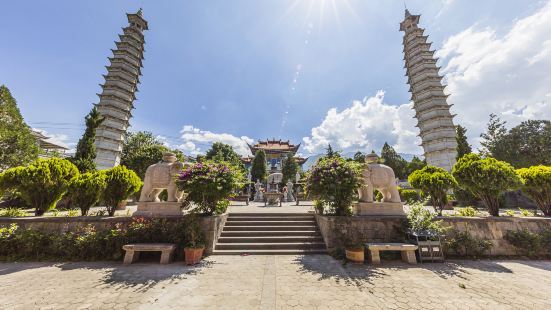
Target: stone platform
[[378, 208], [150, 209]]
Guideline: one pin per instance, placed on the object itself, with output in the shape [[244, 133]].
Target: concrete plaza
[[276, 282]]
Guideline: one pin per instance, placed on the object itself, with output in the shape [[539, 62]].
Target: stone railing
[[392, 229], [211, 226]]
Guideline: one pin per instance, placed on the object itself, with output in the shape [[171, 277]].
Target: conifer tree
[[86, 150], [259, 169], [18, 145], [463, 146], [394, 161], [289, 168]]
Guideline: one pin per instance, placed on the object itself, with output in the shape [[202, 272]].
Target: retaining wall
[[212, 225], [392, 228]]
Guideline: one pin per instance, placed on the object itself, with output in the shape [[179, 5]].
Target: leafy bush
[[335, 181], [467, 211], [486, 178], [435, 182], [42, 183], [222, 206], [536, 183], [530, 243], [378, 196], [464, 244], [85, 190], [318, 206], [524, 212], [510, 213], [120, 183], [207, 183], [421, 220], [409, 195], [12, 212], [88, 243]]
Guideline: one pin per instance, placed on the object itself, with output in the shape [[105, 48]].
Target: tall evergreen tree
[[463, 146], [415, 164], [359, 157], [289, 168], [259, 169], [18, 145], [495, 132], [86, 150], [330, 153], [394, 161]]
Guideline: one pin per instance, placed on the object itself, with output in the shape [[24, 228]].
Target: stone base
[[378, 208], [161, 209]]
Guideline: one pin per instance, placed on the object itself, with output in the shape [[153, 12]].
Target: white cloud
[[366, 125], [506, 75], [193, 137]]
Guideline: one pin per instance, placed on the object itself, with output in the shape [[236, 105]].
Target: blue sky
[[311, 71]]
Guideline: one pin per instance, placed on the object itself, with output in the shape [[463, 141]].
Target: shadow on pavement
[[140, 276]]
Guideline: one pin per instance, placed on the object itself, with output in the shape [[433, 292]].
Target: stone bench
[[133, 251], [407, 251]]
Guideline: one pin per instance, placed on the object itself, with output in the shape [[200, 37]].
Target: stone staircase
[[270, 233]]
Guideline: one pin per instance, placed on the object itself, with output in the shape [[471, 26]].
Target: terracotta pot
[[193, 255], [355, 255]]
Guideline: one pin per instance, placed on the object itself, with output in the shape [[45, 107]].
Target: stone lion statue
[[162, 176], [380, 177]]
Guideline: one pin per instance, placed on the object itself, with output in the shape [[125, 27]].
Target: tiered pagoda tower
[[432, 111], [118, 92]]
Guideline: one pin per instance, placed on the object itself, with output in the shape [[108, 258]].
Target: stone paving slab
[[276, 282]]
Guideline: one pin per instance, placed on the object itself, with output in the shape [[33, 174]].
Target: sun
[[319, 11]]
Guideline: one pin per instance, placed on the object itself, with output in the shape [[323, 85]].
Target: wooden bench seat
[[407, 251], [133, 251]]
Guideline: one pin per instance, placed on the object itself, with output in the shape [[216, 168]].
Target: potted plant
[[195, 245], [354, 248]]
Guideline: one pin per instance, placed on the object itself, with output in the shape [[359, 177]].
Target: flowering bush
[[335, 181], [207, 183]]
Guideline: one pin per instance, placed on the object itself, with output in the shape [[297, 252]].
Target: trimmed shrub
[[42, 183], [435, 182], [526, 242], [467, 211], [120, 183], [335, 181], [464, 244], [536, 184], [85, 190], [12, 212], [486, 178], [207, 183], [409, 195]]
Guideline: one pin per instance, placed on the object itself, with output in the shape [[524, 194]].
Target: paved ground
[[258, 207], [277, 282]]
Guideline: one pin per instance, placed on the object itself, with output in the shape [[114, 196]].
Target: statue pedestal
[[378, 208], [160, 209]]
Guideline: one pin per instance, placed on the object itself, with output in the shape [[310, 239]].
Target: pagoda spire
[[435, 122], [118, 92]]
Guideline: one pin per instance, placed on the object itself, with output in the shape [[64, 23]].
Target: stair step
[[268, 233], [269, 252], [270, 228], [270, 218], [270, 214], [270, 246], [269, 223], [270, 239]]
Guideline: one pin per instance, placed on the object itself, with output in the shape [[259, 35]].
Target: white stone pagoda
[[432, 111], [118, 92]]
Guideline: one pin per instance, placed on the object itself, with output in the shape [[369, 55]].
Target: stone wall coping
[[444, 218], [364, 217], [86, 219]]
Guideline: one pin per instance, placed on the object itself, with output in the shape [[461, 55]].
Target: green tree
[[18, 146], [415, 164], [221, 152], [85, 190], [463, 146], [289, 168], [394, 161], [259, 170], [330, 153], [359, 157], [491, 139], [42, 183], [486, 178], [86, 150], [141, 150], [536, 183], [435, 182], [120, 183]]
